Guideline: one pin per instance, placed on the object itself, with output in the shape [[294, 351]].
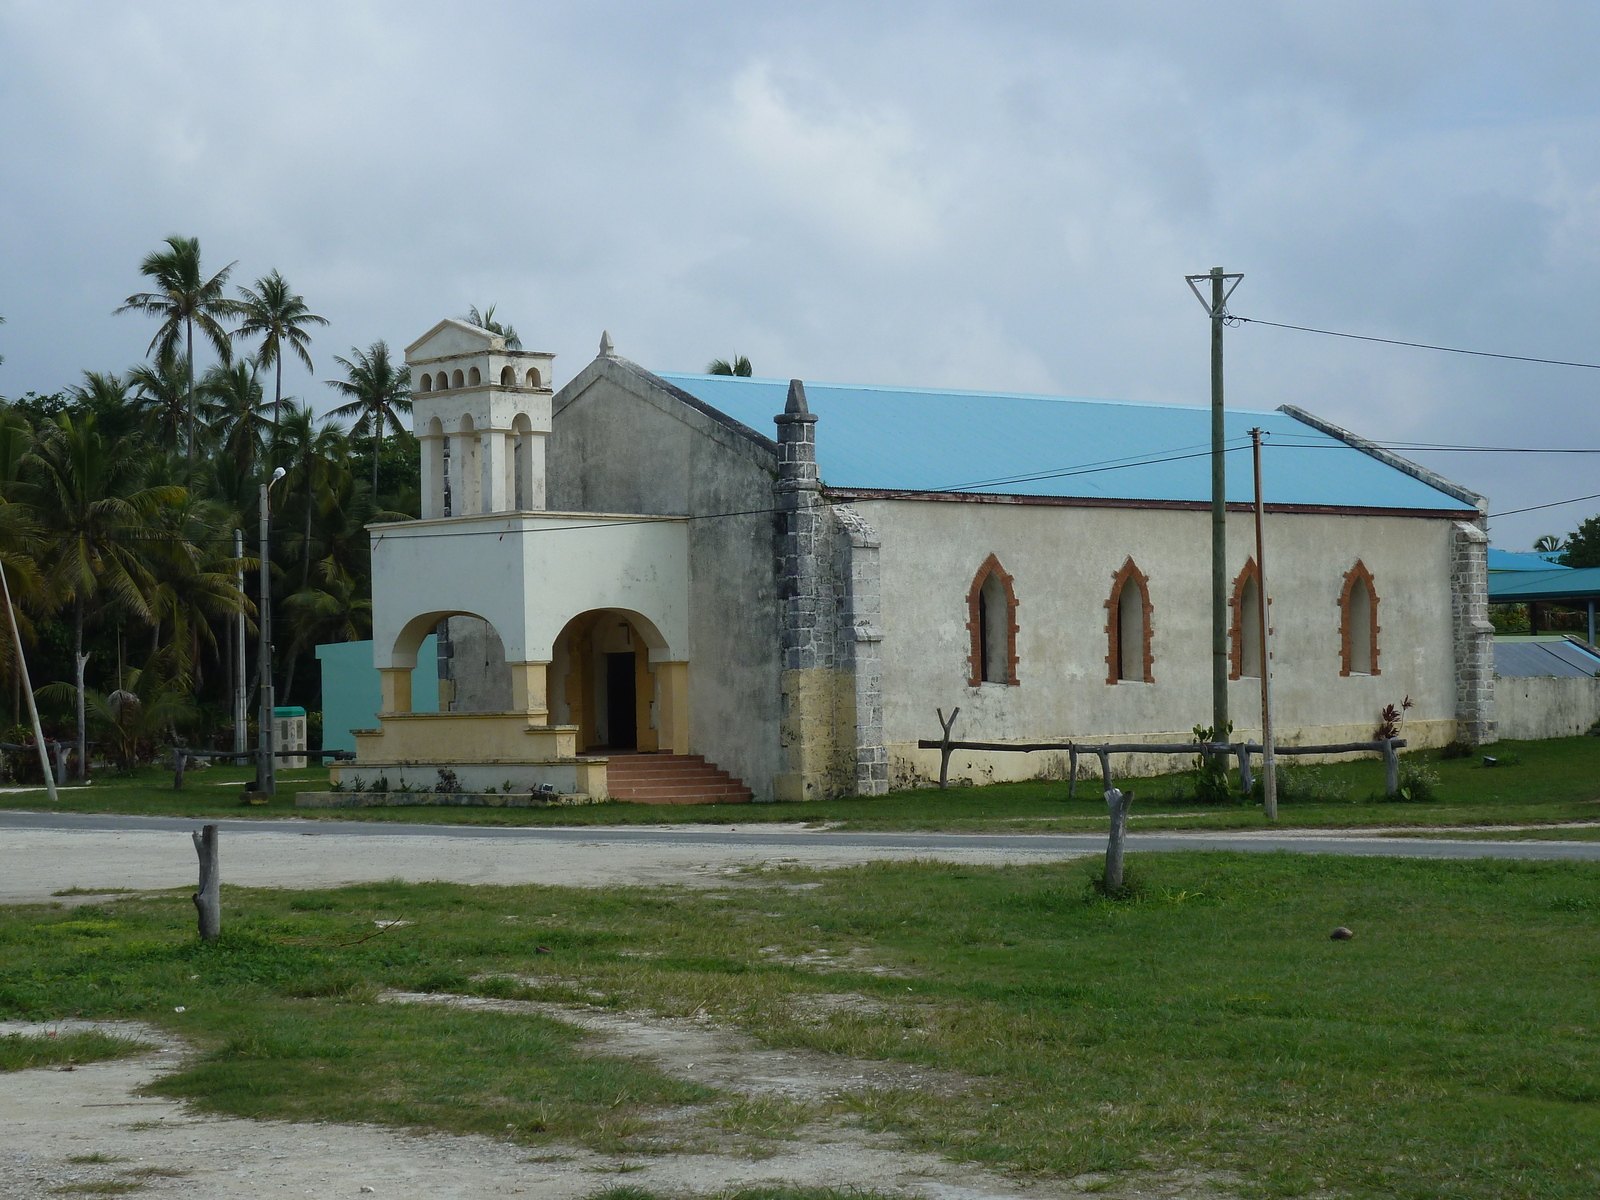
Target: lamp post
[[266, 764]]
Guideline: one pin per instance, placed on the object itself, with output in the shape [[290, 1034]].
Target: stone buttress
[[831, 731]]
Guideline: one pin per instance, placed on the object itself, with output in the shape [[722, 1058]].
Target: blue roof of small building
[[1558, 583], [1523, 660], [1007, 443], [1517, 560]]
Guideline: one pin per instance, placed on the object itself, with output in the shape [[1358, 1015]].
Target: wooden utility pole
[[241, 688], [27, 690], [1222, 285], [1269, 765]]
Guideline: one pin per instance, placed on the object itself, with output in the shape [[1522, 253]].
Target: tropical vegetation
[[121, 498]]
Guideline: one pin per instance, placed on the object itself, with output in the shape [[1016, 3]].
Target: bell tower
[[493, 404]]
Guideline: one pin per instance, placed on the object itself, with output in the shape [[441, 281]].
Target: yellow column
[[396, 689], [529, 681], [673, 719]]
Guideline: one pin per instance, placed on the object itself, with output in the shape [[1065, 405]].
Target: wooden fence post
[[944, 745], [179, 761], [1391, 768], [1072, 776], [208, 900], [1105, 765], [1246, 782], [1118, 802]]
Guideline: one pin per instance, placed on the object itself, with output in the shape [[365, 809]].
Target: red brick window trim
[[1237, 632], [1144, 669], [1350, 617], [980, 623]]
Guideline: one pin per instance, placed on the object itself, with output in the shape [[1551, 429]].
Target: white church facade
[[770, 586]]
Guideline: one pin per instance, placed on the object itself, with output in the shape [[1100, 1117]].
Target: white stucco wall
[[619, 444], [1545, 706], [528, 575], [1063, 560]]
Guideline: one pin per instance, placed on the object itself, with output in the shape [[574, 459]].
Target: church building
[[688, 588]]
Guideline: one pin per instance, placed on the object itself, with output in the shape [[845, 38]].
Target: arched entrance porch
[[610, 678]]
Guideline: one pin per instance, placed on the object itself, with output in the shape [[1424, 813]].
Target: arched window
[[1129, 658], [1358, 623], [474, 377], [992, 623], [508, 377], [533, 378], [456, 380], [1244, 656], [425, 383]]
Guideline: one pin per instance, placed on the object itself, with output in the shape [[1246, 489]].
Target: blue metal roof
[[1515, 560], [1522, 660], [1005, 443], [1558, 583]]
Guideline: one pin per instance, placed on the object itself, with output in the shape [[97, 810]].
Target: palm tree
[[1548, 544], [485, 320], [186, 298], [721, 366], [94, 504], [379, 392], [20, 545], [105, 394], [273, 312], [161, 392], [234, 402], [311, 454]]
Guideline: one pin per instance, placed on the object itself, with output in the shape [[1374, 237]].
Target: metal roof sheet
[[1516, 560], [1006, 443], [1522, 660], [1558, 583]]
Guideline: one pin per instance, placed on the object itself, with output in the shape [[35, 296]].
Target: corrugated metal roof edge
[[1389, 458], [1339, 510]]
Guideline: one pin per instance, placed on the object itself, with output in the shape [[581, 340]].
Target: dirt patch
[[699, 1050], [96, 1115]]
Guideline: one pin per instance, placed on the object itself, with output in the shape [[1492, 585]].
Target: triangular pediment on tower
[[451, 337]]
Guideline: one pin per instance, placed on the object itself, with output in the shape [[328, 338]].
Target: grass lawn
[[1450, 1049], [1542, 783]]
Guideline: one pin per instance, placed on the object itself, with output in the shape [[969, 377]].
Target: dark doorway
[[621, 715]]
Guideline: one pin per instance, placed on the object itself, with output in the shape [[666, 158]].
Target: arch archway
[[603, 680], [425, 384]]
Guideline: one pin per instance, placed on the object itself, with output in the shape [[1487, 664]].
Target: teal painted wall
[[351, 693]]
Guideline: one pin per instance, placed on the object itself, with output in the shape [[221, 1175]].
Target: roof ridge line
[[1388, 457]]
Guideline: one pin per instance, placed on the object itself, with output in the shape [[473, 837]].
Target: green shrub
[[1455, 750], [1305, 785], [1419, 783]]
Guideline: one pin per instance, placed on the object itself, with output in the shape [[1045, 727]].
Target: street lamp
[[266, 763]]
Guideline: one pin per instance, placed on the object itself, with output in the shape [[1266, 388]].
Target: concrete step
[[672, 779]]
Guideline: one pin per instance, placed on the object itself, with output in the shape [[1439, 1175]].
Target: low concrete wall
[[1545, 706]]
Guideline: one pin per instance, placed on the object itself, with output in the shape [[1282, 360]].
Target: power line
[[1363, 337], [1536, 507]]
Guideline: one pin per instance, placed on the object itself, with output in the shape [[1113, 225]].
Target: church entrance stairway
[[671, 779]]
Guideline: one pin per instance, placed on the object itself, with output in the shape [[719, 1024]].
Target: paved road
[[769, 839]]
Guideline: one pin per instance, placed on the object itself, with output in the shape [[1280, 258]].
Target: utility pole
[[266, 763], [1269, 757], [1222, 285], [27, 689], [241, 689]]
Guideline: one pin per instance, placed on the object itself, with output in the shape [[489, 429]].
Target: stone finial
[[608, 349], [797, 398]]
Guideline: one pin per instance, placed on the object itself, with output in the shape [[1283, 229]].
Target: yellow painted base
[[818, 705], [407, 739]]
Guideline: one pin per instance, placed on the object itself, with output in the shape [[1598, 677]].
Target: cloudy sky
[[980, 196]]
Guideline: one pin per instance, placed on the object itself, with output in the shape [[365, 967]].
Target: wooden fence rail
[[1104, 750]]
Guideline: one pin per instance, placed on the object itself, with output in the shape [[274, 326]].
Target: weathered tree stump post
[[944, 745], [61, 750], [1391, 768], [1105, 765], [1246, 782], [1072, 773], [208, 900], [180, 757], [1118, 802]]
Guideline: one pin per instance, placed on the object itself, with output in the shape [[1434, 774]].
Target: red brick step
[[672, 779]]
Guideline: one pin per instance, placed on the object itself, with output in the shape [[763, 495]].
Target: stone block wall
[[1472, 634]]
